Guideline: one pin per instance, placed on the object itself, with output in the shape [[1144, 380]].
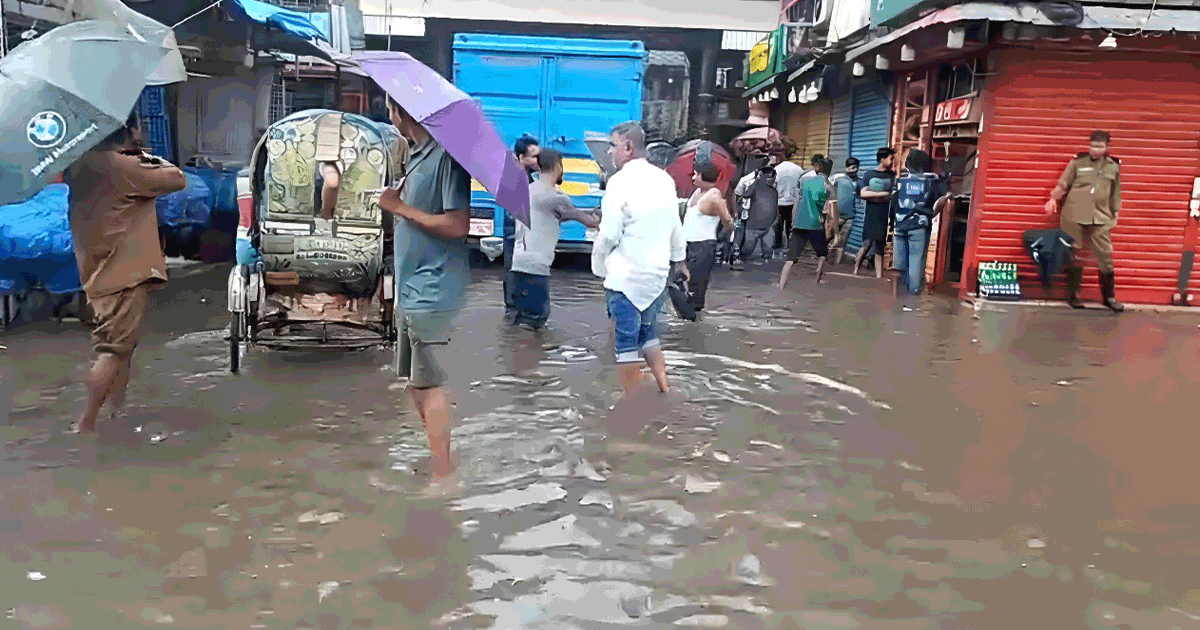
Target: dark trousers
[[783, 225], [751, 240], [701, 258], [510, 242], [530, 297]]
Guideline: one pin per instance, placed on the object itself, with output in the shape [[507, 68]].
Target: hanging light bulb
[[907, 53], [774, 93], [882, 63], [813, 92], [1109, 42], [792, 95], [956, 38], [858, 69]]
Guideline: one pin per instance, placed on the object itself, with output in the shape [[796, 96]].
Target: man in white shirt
[[787, 182], [640, 239]]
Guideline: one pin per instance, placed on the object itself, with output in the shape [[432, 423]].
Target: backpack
[[763, 201], [914, 199]]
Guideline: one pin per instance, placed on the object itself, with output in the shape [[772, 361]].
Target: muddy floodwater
[[834, 458]]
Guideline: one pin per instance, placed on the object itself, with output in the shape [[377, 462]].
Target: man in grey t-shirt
[[528, 282], [432, 213]]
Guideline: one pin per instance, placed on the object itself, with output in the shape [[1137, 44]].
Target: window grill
[[280, 100]]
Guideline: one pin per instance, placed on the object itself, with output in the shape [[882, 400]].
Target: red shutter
[[1039, 111]]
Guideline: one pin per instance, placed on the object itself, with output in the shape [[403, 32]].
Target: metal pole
[[3, 32]]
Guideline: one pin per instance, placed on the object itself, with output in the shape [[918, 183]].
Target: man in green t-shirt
[[816, 214]]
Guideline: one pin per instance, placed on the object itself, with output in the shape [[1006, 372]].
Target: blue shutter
[[870, 129]]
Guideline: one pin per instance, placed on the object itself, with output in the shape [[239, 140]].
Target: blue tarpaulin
[[36, 248], [292, 22], [190, 206]]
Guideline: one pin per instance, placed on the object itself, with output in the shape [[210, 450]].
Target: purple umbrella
[[456, 121]]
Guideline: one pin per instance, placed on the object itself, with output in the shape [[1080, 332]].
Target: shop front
[[1004, 99], [1041, 107]]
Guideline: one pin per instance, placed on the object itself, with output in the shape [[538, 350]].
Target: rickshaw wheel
[[235, 342]]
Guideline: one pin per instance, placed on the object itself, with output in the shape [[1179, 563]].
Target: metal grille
[[280, 103]]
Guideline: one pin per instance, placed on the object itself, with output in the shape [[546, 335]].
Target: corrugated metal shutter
[[870, 129], [839, 132], [1042, 113], [796, 127], [817, 140]]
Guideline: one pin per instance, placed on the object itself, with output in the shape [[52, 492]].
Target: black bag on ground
[[1051, 250], [681, 298]]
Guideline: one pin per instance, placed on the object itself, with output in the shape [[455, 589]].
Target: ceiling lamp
[[1109, 42], [792, 95], [882, 63], [774, 93], [858, 69], [813, 92], [907, 53]]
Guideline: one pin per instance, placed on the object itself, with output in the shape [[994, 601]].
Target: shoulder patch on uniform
[[1115, 159], [1082, 155]]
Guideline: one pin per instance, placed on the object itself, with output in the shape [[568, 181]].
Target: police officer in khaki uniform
[[1089, 193]]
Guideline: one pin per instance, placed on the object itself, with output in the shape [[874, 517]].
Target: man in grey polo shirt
[[432, 212]]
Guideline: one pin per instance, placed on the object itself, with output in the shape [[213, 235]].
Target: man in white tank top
[[705, 211]]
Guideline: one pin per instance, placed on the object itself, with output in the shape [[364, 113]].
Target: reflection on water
[[835, 458]]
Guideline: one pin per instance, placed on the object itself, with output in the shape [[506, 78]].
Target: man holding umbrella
[[432, 273], [452, 142], [114, 225]]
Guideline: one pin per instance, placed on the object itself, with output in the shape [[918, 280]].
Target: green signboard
[[765, 59], [885, 12]]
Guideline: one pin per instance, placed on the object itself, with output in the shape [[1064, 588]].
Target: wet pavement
[[835, 457]]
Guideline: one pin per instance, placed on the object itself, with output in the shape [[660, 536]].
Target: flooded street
[[836, 457]]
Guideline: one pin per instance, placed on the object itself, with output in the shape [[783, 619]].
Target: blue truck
[[555, 89]]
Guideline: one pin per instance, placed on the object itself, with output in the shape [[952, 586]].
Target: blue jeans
[[636, 331], [529, 297], [909, 257]]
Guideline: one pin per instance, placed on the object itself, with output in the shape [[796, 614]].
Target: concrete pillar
[[443, 51]]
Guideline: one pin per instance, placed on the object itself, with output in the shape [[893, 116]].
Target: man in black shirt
[[876, 188]]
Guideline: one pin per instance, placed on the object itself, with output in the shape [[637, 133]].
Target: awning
[[760, 88], [276, 29], [294, 23], [801, 70], [1096, 18]]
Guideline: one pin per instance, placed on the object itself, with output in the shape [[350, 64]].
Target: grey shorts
[[421, 348]]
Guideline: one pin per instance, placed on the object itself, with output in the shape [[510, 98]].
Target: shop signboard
[[889, 12], [765, 59]]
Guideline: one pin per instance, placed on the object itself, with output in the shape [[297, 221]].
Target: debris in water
[[704, 621], [907, 466], [36, 576], [722, 456], [749, 571], [326, 589], [324, 519], [695, 485], [1035, 543]]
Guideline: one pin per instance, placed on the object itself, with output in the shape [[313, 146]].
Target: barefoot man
[[640, 239], [432, 220], [115, 229]]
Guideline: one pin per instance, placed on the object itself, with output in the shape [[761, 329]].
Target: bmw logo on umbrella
[[46, 130]]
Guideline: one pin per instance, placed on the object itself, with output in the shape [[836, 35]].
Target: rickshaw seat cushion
[[282, 278]]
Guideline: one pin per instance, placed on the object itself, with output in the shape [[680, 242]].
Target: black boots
[[1108, 289], [1074, 283]]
